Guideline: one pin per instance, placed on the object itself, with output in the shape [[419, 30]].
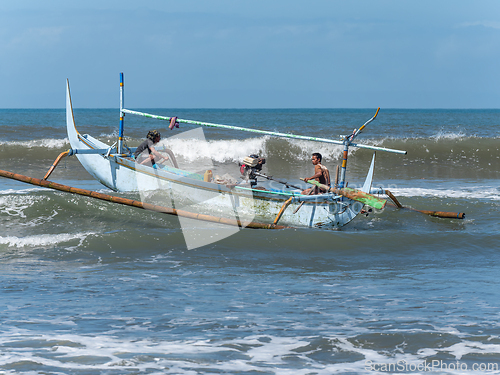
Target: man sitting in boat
[[146, 153], [321, 175]]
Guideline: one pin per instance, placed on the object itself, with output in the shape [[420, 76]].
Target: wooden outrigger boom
[[134, 203]]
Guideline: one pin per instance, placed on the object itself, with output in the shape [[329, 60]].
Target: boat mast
[[344, 166], [122, 114]]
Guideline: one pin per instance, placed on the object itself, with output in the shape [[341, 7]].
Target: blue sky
[[251, 54]]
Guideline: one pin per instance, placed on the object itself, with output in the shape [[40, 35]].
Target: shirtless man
[[147, 154], [321, 175], [152, 138]]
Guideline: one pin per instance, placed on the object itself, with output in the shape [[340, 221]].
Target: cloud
[[486, 24], [36, 37]]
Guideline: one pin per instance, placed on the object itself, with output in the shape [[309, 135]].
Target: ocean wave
[[233, 150], [448, 154], [443, 146]]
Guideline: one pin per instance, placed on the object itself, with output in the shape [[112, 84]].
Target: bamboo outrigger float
[[116, 168]]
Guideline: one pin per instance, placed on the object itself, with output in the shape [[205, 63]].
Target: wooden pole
[[337, 177], [394, 199], [443, 214], [301, 203], [282, 210], [133, 203], [58, 159]]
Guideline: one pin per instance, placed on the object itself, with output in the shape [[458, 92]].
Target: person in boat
[[146, 152], [321, 175]]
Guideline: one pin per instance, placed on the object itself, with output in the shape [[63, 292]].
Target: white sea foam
[[113, 134], [45, 143], [42, 239], [478, 192], [259, 353], [21, 191], [449, 135], [14, 205]]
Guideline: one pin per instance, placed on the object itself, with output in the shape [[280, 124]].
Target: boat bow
[[70, 119]]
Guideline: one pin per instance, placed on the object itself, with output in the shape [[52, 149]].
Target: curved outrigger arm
[[106, 152], [356, 132]]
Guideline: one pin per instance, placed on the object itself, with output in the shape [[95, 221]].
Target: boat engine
[[250, 165]]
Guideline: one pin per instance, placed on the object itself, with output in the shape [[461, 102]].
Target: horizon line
[[266, 108]]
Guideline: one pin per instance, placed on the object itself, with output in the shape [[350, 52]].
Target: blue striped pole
[[120, 134], [344, 165]]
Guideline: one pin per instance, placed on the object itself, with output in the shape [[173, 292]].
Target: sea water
[[89, 287]]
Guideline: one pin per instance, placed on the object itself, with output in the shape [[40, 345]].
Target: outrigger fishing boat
[[117, 168]]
